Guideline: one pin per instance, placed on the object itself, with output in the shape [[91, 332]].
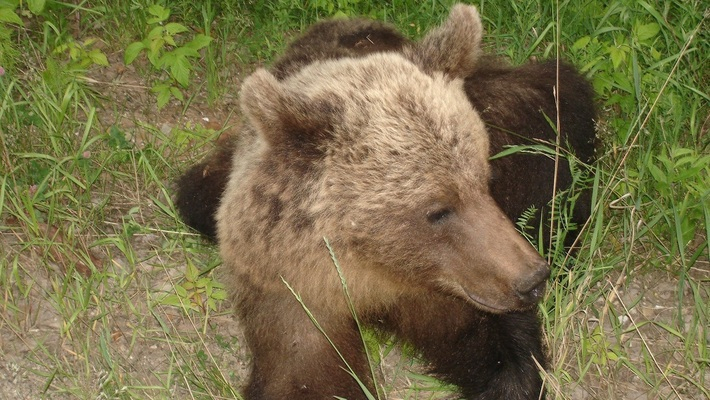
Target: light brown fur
[[387, 161], [385, 157], [452, 48]]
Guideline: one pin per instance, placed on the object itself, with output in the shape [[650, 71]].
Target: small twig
[[115, 84]]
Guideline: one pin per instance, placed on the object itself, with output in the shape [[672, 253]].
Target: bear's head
[[394, 162]]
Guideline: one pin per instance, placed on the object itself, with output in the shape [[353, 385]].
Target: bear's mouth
[[484, 305]]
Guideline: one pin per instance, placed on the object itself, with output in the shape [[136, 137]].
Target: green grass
[[104, 293]]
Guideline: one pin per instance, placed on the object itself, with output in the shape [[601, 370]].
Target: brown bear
[[518, 105], [373, 143]]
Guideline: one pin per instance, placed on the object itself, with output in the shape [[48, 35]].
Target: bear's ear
[[452, 48], [260, 99], [282, 116]]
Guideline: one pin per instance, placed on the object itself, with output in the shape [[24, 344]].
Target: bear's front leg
[[292, 359], [488, 356]]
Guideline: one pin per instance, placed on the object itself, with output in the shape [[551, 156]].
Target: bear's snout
[[531, 288]]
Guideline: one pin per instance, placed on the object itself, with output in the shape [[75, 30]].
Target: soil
[[139, 340]]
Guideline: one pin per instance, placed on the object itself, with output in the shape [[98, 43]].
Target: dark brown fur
[[337, 38], [519, 107], [200, 188]]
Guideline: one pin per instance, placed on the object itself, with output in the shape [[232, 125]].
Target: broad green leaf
[[36, 6], [176, 93], [98, 58], [163, 93], [601, 83], [161, 13], [180, 70], [186, 52], [618, 55], [655, 54], [171, 300], [199, 42], [132, 52], [581, 43], [155, 46], [219, 294], [170, 40], [11, 4], [9, 16], [166, 60], [645, 32], [180, 291], [174, 28], [622, 81], [155, 33]]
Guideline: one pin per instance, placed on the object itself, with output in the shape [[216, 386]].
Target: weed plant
[[104, 293]]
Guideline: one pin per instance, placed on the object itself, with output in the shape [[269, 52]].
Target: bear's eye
[[439, 215]]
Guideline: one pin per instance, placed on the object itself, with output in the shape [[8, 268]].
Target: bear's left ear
[[454, 47], [260, 100], [282, 116]]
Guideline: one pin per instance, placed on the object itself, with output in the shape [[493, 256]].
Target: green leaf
[[219, 294], [655, 54], [681, 151], [645, 32], [657, 174], [181, 291], [132, 52], [170, 40], [174, 28], [98, 58], [155, 46], [155, 33], [9, 4], [180, 70], [602, 83], [9, 16], [186, 52], [199, 42], [161, 13], [581, 43], [191, 272], [618, 55], [163, 92], [171, 300], [36, 6], [176, 93], [165, 60]]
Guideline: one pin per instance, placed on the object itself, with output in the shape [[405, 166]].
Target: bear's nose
[[531, 289]]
